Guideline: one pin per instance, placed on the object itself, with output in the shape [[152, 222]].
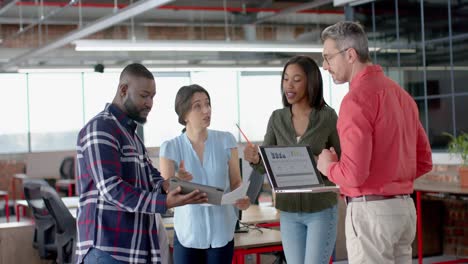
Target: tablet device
[[214, 194], [293, 169]]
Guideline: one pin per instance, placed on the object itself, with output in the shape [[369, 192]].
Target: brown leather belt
[[369, 198]]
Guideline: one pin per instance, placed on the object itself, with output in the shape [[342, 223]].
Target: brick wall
[[456, 227], [32, 38], [8, 168], [455, 213]]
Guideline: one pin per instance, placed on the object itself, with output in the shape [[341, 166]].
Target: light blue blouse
[[200, 226]]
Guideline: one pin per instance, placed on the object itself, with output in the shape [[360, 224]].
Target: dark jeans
[[97, 256], [183, 255]]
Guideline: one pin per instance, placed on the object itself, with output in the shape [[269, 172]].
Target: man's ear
[[351, 55], [123, 89]]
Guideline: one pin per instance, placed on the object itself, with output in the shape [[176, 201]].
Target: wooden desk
[[421, 186], [19, 177], [16, 244], [254, 242], [70, 203], [263, 216]]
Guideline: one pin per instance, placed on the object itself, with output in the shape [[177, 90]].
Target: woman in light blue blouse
[[203, 234]]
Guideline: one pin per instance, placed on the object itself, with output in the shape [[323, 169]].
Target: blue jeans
[[309, 237], [183, 255], [97, 256]]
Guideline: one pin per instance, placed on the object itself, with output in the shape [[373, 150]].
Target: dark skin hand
[[175, 198]]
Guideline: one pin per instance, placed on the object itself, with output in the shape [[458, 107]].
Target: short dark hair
[[136, 70], [183, 100], [314, 81]]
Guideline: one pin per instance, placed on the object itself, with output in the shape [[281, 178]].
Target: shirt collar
[[371, 69], [123, 118]]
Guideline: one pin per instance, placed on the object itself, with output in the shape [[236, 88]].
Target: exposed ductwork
[[105, 22], [183, 20]]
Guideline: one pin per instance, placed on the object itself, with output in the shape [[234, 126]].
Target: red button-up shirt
[[383, 145]]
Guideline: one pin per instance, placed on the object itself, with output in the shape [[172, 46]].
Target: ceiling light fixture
[[54, 70], [195, 46]]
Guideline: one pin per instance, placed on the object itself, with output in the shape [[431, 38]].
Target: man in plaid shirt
[[120, 191]]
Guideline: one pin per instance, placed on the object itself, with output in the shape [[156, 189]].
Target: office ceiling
[[40, 32]]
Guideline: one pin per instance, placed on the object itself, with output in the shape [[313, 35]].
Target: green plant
[[459, 145]]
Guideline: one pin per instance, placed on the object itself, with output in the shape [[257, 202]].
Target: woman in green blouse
[[308, 220]]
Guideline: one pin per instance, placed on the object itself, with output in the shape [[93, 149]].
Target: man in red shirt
[[383, 150]]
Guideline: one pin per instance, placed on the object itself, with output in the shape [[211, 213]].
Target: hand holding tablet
[[293, 169], [214, 194]]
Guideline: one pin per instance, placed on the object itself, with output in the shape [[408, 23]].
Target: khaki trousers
[[380, 232]]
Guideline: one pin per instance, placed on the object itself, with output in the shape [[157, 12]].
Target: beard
[[133, 112]]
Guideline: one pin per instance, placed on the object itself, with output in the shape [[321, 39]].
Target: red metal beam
[[184, 8]]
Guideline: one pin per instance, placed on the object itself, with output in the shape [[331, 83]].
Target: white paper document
[[232, 197]]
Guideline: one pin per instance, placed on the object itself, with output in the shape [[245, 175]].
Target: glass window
[[162, 121], [459, 17], [386, 34], [222, 86], [440, 121], [422, 111], [460, 76], [461, 110], [460, 62], [438, 82], [460, 45], [333, 93], [436, 19], [438, 68], [259, 95], [14, 109], [99, 89], [56, 110], [409, 22], [414, 82]]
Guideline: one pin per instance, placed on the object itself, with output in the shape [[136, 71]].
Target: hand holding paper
[[243, 203], [235, 195]]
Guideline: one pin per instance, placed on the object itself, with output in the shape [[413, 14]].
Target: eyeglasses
[[329, 57]]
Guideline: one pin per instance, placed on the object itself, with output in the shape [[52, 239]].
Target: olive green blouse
[[321, 133]]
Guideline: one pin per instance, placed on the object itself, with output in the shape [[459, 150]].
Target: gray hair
[[347, 35]]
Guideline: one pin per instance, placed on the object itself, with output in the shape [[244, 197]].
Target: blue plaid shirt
[[120, 191]]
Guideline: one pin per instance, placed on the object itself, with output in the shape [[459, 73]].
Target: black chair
[[67, 176], [44, 231], [67, 168], [65, 223], [255, 187]]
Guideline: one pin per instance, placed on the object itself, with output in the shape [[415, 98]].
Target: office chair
[[67, 176], [65, 225], [255, 187], [44, 230], [67, 168]]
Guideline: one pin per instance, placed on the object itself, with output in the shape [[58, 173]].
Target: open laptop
[[292, 169]]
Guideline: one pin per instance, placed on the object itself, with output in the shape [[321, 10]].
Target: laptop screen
[[290, 167]]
